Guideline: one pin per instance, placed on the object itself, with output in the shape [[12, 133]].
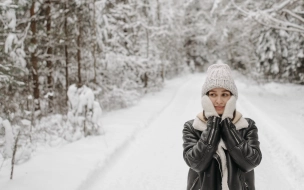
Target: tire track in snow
[[154, 159], [105, 166], [279, 151]]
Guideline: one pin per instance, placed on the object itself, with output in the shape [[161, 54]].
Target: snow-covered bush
[[280, 55], [84, 115], [6, 138]]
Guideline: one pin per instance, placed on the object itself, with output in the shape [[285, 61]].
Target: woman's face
[[219, 98]]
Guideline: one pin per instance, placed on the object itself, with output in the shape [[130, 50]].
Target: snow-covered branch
[[286, 23], [242, 10], [299, 12], [279, 7], [293, 14], [279, 27], [265, 17]]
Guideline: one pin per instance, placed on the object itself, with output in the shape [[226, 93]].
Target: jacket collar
[[200, 123]]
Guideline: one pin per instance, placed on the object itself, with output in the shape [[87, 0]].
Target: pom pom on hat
[[219, 76]]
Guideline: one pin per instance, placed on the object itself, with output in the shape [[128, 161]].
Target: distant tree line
[[263, 39], [105, 52], [124, 48], [119, 48]]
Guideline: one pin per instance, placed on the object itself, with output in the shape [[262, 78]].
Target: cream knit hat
[[219, 76]]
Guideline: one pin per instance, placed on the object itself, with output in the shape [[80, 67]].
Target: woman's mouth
[[219, 107]]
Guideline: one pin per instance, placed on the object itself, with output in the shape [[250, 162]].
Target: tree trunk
[[146, 80], [66, 48], [158, 13], [14, 154], [34, 59], [147, 38], [94, 40], [49, 63], [79, 46]]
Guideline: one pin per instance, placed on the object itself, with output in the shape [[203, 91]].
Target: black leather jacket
[[243, 155]]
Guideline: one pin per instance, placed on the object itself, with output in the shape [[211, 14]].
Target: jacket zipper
[[211, 133], [247, 187], [194, 183], [234, 135], [219, 163]]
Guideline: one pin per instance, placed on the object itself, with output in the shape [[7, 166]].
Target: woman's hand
[[229, 108], [228, 130], [211, 136], [208, 107]]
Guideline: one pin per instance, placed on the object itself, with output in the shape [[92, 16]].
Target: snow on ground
[[142, 145], [278, 110]]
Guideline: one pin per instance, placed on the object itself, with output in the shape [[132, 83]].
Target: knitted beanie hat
[[219, 76]]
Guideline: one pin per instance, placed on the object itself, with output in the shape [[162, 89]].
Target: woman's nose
[[219, 100]]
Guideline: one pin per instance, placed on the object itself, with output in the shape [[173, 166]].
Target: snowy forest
[[64, 62]]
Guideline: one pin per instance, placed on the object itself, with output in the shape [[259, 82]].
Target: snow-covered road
[[153, 160], [142, 147]]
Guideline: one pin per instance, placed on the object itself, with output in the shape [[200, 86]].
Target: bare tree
[[79, 39], [49, 54], [66, 7], [94, 40], [34, 58]]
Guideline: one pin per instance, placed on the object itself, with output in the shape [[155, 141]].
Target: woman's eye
[[225, 95], [212, 95]]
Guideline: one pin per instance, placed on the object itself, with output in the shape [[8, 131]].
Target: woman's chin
[[220, 112]]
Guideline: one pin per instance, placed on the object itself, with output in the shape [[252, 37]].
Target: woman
[[220, 146]]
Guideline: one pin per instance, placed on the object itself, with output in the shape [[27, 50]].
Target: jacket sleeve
[[199, 149], [245, 150]]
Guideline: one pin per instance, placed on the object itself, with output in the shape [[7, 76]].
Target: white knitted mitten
[[229, 108], [208, 107]]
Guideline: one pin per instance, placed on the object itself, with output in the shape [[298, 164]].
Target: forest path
[[153, 160], [142, 145]]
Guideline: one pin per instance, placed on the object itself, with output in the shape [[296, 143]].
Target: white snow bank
[[68, 167], [278, 110]]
